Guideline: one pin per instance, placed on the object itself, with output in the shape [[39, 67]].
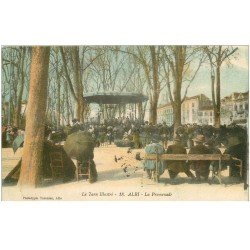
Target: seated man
[[201, 168], [176, 167], [210, 144], [239, 150], [86, 158]]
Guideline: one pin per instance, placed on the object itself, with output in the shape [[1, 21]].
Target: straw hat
[[177, 139], [199, 138]]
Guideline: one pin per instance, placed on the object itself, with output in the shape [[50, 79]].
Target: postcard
[[125, 123]]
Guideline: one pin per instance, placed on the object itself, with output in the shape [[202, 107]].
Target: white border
[[124, 225]]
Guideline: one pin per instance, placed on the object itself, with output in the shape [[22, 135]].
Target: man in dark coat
[[240, 151], [87, 158], [210, 144], [4, 137], [164, 132], [136, 138], [175, 167], [201, 168]]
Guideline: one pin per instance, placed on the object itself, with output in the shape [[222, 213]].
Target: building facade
[[206, 115], [191, 111], [198, 109], [234, 108]]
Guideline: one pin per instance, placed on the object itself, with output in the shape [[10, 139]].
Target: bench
[[196, 157]]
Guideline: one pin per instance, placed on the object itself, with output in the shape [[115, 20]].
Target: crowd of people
[[200, 139], [9, 133], [142, 133], [232, 138]]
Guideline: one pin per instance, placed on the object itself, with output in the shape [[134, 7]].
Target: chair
[[56, 164], [79, 172]]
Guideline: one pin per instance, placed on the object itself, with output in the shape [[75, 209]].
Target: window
[[192, 104], [211, 113]]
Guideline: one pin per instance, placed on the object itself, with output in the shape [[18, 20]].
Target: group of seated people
[[200, 168]]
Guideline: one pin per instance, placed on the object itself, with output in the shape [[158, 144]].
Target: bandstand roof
[[114, 97]]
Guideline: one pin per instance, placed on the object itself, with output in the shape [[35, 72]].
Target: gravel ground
[[115, 182]]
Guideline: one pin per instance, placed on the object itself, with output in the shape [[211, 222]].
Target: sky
[[234, 78]]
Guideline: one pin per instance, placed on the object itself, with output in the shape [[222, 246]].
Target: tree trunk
[[156, 87], [176, 116], [216, 118], [30, 175], [79, 86], [153, 112], [58, 111], [62, 110], [177, 103], [67, 103], [217, 108], [20, 94], [179, 67]]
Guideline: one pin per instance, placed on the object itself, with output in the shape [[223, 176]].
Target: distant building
[[198, 109], [206, 115], [234, 108], [195, 109], [165, 114]]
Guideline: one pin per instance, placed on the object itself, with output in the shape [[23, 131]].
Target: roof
[[187, 98], [114, 97], [196, 96], [236, 96]]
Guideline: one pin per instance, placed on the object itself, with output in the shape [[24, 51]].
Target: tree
[[216, 56], [177, 65], [15, 68], [74, 63], [20, 94], [34, 137], [149, 57], [110, 72]]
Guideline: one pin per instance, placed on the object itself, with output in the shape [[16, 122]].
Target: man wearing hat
[[75, 127], [201, 168], [175, 167], [164, 132]]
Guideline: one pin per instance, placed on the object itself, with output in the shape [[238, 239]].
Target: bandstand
[[111, 101]]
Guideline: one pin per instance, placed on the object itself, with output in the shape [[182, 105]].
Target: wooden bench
[[196, 157]]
